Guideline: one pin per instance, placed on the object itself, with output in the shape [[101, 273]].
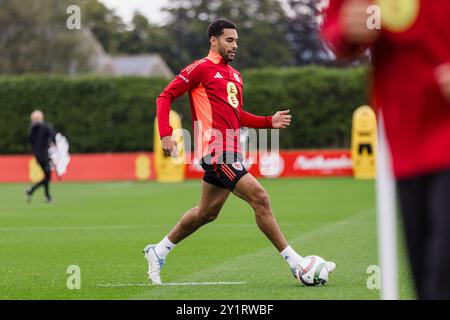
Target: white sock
[[164, 247], [291, 257]]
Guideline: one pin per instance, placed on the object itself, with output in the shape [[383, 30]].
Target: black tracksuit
[[425, 204]]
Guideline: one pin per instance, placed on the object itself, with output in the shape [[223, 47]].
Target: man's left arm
[[280, 120], [253, 121]]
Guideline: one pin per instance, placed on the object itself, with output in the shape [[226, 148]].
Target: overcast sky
[[126, 8]]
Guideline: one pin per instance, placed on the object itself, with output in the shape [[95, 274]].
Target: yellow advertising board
[[169, 169], [142, 166], [35, 172], [364, 143]]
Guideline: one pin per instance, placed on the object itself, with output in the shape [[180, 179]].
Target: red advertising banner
[[140, 166], [82, 167]]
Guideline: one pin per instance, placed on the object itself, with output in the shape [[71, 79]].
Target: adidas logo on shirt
[[218, 76]]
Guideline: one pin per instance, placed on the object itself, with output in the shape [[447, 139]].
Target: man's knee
[[260, 200]]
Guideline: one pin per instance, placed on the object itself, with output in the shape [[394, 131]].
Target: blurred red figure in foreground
[[410, 56]]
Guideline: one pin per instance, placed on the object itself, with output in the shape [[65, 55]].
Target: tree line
[[273, 33]]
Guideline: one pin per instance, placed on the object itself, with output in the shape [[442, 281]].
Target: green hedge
[[321, 100], [117, 114]]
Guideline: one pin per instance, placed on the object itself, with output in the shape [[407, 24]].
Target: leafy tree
[[303, 32], [35, 38], [144, 37], [260, 25], [275, 33], [104, 23]]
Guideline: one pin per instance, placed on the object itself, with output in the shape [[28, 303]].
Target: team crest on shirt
[[236, 76], [237, 166]]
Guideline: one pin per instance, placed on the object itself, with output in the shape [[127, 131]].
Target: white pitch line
[[171, 284], [113, 227], [68, 228]]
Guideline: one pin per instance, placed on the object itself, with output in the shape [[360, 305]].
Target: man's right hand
[[168, 145], [353, 20]]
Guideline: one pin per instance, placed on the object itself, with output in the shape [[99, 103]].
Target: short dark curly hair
[[215, 29]]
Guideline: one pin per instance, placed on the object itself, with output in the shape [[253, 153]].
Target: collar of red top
[[215, 57]]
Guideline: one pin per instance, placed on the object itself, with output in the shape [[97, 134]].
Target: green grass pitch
[[103, 227]]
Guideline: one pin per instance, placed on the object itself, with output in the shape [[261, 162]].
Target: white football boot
[[155, 263]]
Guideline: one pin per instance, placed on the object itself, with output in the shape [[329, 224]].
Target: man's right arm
[[51, 133], [188, 79]]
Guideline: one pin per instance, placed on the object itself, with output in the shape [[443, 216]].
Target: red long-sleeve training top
[[215, 94]]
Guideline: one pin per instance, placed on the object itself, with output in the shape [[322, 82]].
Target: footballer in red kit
[[216, 97], [410, 56], [215, 93]]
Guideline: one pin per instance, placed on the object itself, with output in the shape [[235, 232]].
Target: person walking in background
[[41, 136]]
